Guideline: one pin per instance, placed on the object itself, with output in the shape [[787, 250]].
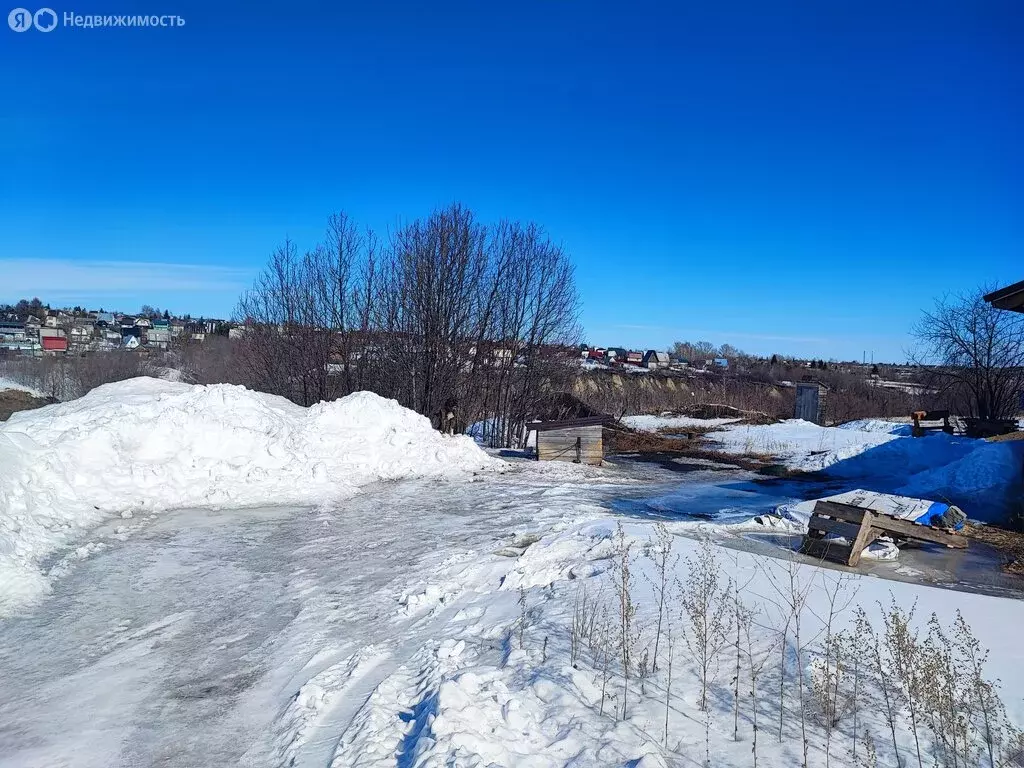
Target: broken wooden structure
[[577, 440], [858, 527], [921, 428]]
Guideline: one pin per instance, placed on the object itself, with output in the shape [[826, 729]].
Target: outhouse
[[810, 401]]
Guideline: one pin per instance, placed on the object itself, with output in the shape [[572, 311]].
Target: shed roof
[[590, 421], [809, 382], [1011, 297]]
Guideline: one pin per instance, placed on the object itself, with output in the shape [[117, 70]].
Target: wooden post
[[864, 537], [916, 431]]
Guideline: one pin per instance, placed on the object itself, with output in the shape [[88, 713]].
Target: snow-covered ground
[[981, 477], [805, 446], [418, 623], [649, 423], [423, 621]]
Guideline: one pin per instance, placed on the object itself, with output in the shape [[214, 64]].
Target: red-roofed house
[[54, 344]]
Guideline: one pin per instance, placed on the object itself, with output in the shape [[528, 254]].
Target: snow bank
[[147, 445], [655, 423], [550, 573], [983, 483], [879, 425]]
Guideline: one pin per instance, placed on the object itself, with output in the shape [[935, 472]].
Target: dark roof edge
[[590, 421], [1002, 293]]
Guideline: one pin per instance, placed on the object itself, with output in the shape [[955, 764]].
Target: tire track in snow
[[394, 726], [301, 732], [345, 694]]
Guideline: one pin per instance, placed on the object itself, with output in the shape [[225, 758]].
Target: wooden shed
[[577, 440]]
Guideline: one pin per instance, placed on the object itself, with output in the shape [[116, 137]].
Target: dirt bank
[[14, 400]]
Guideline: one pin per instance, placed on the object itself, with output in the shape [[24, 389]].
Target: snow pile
[[669, 422], [879, 425], [147, 445], [804, 446]]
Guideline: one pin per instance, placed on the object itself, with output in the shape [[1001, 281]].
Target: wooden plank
[[858, 537], [564, 446], [866, 535], [847, 512], [570, 441], [570, 435], [565, 450], [836, 527], [556, 444], [918, 531], [827, 549]]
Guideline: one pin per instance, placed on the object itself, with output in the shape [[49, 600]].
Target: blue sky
[[793, 177]]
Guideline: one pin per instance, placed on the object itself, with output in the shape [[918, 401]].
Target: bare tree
[[447, 316], [430, 289], [279, 315], [978, 354]]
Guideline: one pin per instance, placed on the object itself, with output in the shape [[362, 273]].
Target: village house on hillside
[[159, 334], [655, 360]]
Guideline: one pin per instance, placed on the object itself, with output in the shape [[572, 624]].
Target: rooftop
[[1011, 297]]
